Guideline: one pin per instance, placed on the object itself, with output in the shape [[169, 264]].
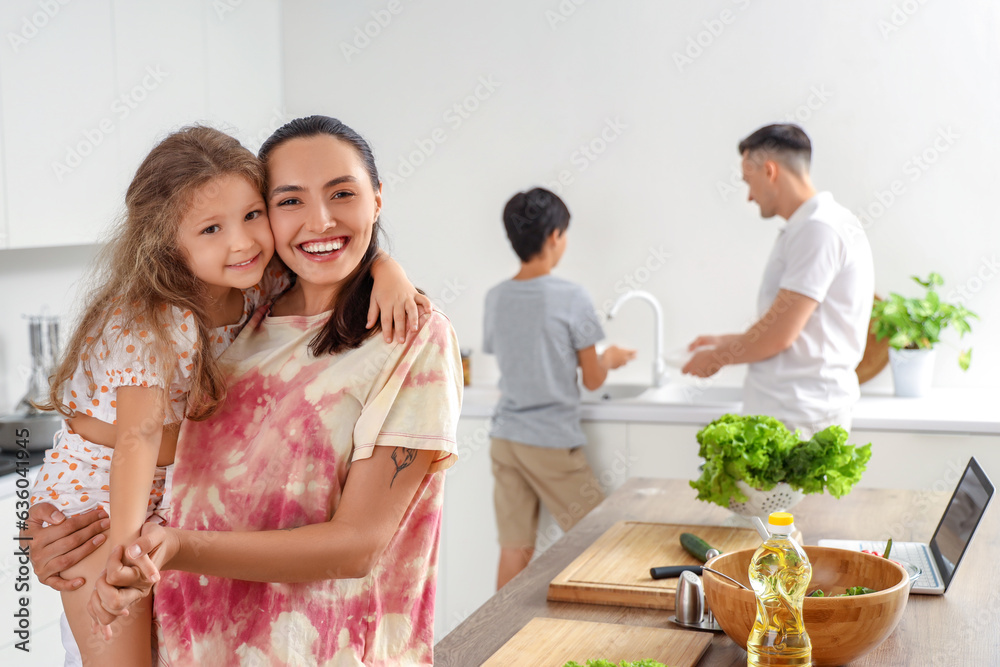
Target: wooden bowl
[[840, 629]]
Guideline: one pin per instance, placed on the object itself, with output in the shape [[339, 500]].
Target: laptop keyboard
[[910, 552]]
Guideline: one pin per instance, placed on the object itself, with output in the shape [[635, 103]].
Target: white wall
[[34, 282], [873, 85], [221, 63]]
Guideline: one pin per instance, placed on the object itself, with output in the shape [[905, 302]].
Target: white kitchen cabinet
[[4, 237], [95, 85], [60, 124], [927, 461], [44, 605], [663, 450], [470, 552], [160, 74]]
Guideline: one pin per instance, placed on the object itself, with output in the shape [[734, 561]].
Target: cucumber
[[695, 546]]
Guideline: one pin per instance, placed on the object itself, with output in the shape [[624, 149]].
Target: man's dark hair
[[530, 217], [784, 142]]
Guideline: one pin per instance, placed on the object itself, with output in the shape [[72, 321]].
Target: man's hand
[[63, 543], [703, 364], [616, 357], [711, 341]]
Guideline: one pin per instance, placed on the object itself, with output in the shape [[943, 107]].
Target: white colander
[[761, 503]]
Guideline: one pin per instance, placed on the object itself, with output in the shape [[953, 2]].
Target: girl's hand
[[396, 299], [130, 575]]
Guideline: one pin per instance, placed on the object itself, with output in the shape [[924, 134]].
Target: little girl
[[183, 275]]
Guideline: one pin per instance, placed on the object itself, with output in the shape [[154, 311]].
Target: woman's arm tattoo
[[402, 458]]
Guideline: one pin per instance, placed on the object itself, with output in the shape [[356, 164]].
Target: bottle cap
[[780, 522], [780, 519]]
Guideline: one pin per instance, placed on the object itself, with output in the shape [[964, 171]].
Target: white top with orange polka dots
[[125, 359]]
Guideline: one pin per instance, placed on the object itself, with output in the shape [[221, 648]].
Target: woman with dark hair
[[308, 508]]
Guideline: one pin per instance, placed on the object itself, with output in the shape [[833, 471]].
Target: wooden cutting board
[[552, 642], [615, 568]]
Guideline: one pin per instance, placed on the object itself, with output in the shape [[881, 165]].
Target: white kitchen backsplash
[[34, 282]]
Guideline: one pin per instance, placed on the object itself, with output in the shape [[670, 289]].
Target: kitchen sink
[[614, 392], [672, 394]]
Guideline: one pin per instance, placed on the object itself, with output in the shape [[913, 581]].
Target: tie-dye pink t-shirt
[[277, 455]]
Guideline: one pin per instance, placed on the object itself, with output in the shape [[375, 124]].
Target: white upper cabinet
[[60, 126], [88, 88], [160, 70], [244, 69]]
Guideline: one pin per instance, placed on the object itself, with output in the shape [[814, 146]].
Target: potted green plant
[[913, 327], [754, 465]]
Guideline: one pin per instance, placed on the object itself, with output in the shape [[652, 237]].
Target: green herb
[[853, 590], [917, 323], [623, 663], [762, 452]]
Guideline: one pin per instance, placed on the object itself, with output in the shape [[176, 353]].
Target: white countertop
[[964, 410]]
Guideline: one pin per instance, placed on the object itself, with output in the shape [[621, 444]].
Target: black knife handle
[[673, 571]]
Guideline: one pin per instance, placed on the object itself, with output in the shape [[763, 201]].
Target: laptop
[[939, 559]]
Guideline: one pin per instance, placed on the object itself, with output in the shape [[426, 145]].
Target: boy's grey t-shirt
[[535, 327]]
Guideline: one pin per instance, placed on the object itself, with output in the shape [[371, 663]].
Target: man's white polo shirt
[[822, 253]]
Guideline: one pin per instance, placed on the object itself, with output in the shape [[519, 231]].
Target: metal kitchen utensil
[[689, 604], [28, 428], [725, 576]]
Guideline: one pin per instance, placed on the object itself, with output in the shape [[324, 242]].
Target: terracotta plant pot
[[841, 629]]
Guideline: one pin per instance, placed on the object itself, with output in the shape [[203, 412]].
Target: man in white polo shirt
[[815, 299]]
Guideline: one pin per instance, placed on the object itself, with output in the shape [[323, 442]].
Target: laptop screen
[[961, 517]]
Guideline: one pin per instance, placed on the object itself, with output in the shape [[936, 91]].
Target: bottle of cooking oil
[[779, 573]]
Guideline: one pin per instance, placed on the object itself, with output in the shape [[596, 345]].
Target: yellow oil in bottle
[[780, 573]]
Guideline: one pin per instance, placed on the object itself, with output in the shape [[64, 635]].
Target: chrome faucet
[[659, 368]]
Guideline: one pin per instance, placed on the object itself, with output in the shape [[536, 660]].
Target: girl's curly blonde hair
[[144, 272]]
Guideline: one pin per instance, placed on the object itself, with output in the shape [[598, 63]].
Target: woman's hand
[[63, 543], [396, 299], [130, 575]]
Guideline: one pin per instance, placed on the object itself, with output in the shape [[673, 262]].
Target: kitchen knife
[[672, 571]]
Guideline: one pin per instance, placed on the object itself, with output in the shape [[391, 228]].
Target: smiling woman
[[310, 504]]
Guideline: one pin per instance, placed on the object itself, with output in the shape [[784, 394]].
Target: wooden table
[[957, 629]]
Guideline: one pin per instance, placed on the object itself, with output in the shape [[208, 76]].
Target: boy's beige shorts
[[561, 479]]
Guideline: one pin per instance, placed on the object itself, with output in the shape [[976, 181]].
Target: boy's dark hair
[[784, 141], [530, 217]]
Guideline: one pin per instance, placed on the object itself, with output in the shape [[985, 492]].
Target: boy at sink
[[541, 329]]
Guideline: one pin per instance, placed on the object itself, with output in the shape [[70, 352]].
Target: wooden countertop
[[959, 628]]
